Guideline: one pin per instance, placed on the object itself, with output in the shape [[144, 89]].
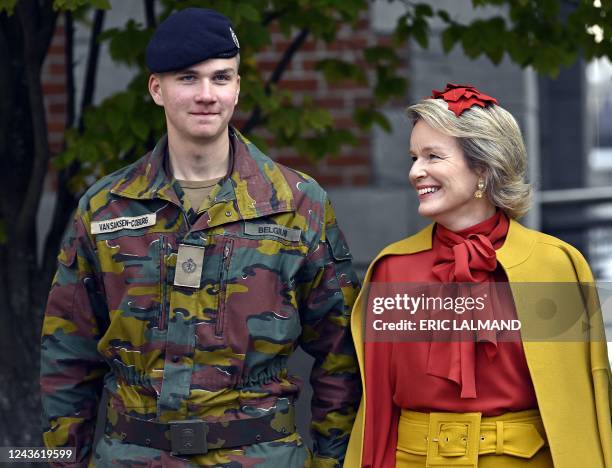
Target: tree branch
[[6, 106], [256, 118], [65, 201], [272, 15], [150, 13], [287, 56], [92, 64], [46, 28], [33, 50]]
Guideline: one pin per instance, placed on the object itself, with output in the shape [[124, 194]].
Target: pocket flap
[[337, 243]]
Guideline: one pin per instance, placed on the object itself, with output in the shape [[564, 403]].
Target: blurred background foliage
[[124, 126]]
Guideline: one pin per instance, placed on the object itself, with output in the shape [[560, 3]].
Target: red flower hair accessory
[[462, 97]]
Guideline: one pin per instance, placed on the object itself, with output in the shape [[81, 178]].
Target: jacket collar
[[255, 185], [146, 178], [516, 248]]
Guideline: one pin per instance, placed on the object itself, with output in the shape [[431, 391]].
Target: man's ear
[[237, 92], [155, 89]]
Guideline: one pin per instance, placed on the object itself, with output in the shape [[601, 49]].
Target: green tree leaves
[[8, 6], [123, 125], [337, 70], [414, 23], [119, 130], [126, 45], [540, 33], [76, 4], [545, 34]]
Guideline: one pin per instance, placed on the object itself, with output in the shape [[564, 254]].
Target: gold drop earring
[[481, 186]]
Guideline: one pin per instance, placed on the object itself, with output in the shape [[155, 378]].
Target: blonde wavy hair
[[492, 142]]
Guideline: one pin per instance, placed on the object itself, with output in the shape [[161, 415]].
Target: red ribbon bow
[[462, 97]]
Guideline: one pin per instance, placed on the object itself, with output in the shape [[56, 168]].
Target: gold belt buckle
[[453, 439]]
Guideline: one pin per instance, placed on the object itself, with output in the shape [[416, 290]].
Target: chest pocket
[[132, 268], [257, 311]]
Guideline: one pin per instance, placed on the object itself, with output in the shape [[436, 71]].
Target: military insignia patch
[[191, 259], [234, 37]]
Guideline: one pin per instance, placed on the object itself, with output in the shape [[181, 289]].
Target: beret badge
[[462, 97], [234, 37]]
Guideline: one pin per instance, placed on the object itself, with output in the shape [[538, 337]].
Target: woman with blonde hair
[[537, 402]]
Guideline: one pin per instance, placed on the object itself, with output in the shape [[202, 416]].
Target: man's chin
[[208, 133]]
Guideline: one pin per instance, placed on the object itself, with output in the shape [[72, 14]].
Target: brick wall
[[350, 168], [54, 87], [353, 166]]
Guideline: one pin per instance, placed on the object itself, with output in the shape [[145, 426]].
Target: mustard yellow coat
[[576, 411]]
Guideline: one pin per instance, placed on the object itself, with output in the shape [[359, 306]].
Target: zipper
[[225, 263], [162, 283]]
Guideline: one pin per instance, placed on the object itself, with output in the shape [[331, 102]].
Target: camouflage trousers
[[288, 452]]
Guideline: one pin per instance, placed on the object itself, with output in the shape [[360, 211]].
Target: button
[[228, 213], [147, 441], [176, 358]]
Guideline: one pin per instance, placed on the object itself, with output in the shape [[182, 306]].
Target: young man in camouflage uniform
[[186, 281]]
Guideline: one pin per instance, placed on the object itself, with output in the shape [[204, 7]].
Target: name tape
[[289, 234], [125, 222]]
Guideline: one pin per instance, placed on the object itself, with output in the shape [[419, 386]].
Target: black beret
[[190, 36]]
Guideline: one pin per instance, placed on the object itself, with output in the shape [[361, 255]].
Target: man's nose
[[205, 92]]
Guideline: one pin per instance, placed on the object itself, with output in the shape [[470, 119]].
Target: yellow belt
[[456, 439]]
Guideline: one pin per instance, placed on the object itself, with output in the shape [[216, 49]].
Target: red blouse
[[490, 378]]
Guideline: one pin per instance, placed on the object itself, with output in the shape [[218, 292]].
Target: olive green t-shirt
[[198, 190]]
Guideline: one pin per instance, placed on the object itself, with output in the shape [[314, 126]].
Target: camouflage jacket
[[276, 272]]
